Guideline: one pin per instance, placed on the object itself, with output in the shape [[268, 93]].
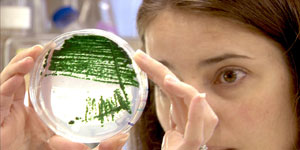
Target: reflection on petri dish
[[86, 87]]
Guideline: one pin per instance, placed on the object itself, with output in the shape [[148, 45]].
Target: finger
[[172, 139], [114, 143], [156, 72], [29, 99], [12, 126], [194, 135], [7, 90], [180, 89], [21, 67], [33, 52], [20, 92], [154, 69], [201, 123], [183, 94], [178, 115], [172, 123], [22, 63], [59, 143]]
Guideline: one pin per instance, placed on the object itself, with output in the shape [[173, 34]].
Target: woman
[[241, 54]]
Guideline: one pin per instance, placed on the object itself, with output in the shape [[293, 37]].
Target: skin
[[250, 108], [21, 128]]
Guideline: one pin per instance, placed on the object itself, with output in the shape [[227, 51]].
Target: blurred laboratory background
[[25, 23]]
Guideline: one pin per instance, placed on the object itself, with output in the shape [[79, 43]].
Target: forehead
[[182, 21], [176, 31]]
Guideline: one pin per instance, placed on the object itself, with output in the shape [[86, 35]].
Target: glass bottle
[[97, 14]]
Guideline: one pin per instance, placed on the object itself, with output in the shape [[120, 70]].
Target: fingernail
[[170, 116], [202, 95], [25, 59], [35, 46], [163, 143], [171, 78], [139, 53], [171, 121]]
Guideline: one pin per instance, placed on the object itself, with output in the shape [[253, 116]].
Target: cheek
[[162, 105], [252, 114], [264, 104], [240, 116], [267, 107], [261, 111], [260, 118]]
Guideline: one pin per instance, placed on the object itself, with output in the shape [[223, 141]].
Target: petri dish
[[86, 87]]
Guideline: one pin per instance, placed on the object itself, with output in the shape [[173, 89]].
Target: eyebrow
[[222, 58], [212, 60]]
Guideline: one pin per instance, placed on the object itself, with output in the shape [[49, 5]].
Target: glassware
[[97, 14], [65, 16], [41, 23], [19, 19], [15, 20], [86, 86]]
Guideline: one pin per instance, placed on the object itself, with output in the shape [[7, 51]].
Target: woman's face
[[243, 73]]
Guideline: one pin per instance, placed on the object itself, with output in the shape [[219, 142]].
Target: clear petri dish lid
[[86, 87]]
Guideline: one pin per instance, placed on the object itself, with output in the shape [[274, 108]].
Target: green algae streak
[[99, 109], [96, 58]]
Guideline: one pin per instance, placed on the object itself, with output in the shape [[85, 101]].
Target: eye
[[230, 76]]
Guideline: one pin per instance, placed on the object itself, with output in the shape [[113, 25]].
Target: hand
[[114, 143], [21, 128], [192, 120]]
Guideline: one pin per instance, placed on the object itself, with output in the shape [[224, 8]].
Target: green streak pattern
[[101, 109], [96, 58]]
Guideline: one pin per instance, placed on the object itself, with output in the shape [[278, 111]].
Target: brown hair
[[277, 19]]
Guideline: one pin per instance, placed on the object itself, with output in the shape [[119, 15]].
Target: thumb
[[60, 143], [114, 143]]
